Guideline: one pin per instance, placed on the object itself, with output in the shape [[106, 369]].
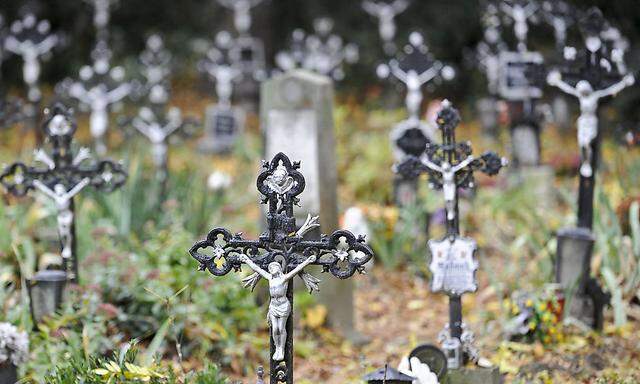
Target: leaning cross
[[61, 175], [281, 253], [451, 166], [590, 77]]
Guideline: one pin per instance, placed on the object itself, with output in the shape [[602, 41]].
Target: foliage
[[619, 256], [121, 368], [535, 317]]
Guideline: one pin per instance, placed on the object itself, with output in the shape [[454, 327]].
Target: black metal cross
[[283, 252], [592, 65], [61, 174], [451, 166]]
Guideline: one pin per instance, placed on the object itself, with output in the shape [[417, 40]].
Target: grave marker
[[488, 58], [99, 88], [33, 41], [280, 254], [415, 67], [61, 175], [297, 119], [450, 167], [521, 80], [223, 123], [322, 52], [589, 76], [386, 14]]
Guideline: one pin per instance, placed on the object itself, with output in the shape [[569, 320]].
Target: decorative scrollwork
[[282, 252]]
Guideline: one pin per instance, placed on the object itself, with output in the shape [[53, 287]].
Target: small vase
[[8, 373]]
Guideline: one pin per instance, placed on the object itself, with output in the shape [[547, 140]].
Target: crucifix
[[99, 88], [487, 57], [280, 254], [386, 13], [520, 83], [60, 175], [156, 69], [415, 67], [489, 48], [241, 13], [590, 77], [520, 12], [450, 167], [223, 123], [322, 52], [159, 129], [32, 40]]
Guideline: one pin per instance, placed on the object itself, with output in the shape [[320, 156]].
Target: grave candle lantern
[[46, 293]]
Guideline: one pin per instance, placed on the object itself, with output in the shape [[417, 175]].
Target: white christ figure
[[99, 98], [414, 82], [241, 13], [385, 13], [520, 14], [449, 187], [30, 52], [62, 199], [279, 306], [588, 120]]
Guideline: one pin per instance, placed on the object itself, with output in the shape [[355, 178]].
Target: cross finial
[[592, 22], [448, 117]]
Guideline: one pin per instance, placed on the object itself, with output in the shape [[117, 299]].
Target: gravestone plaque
[[516, 80], [223, 126], [525, 142], [453, 265], [296, 115]]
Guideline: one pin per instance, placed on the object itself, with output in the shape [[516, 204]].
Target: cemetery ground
[[141, 288]]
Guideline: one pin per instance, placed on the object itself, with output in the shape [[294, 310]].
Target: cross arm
[[411, 167], [490, 163], [341, 253], [627, 81], [18, 178], [226, 250], [106, 175]]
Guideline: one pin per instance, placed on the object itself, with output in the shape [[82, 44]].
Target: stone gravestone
[[296, 116]]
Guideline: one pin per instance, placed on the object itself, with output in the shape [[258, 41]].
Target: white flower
[[14, 345], [218, 181]]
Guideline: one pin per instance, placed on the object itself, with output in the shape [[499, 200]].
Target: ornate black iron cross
[[280, 253], [61, 174], [589, 75], [450, 166]]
